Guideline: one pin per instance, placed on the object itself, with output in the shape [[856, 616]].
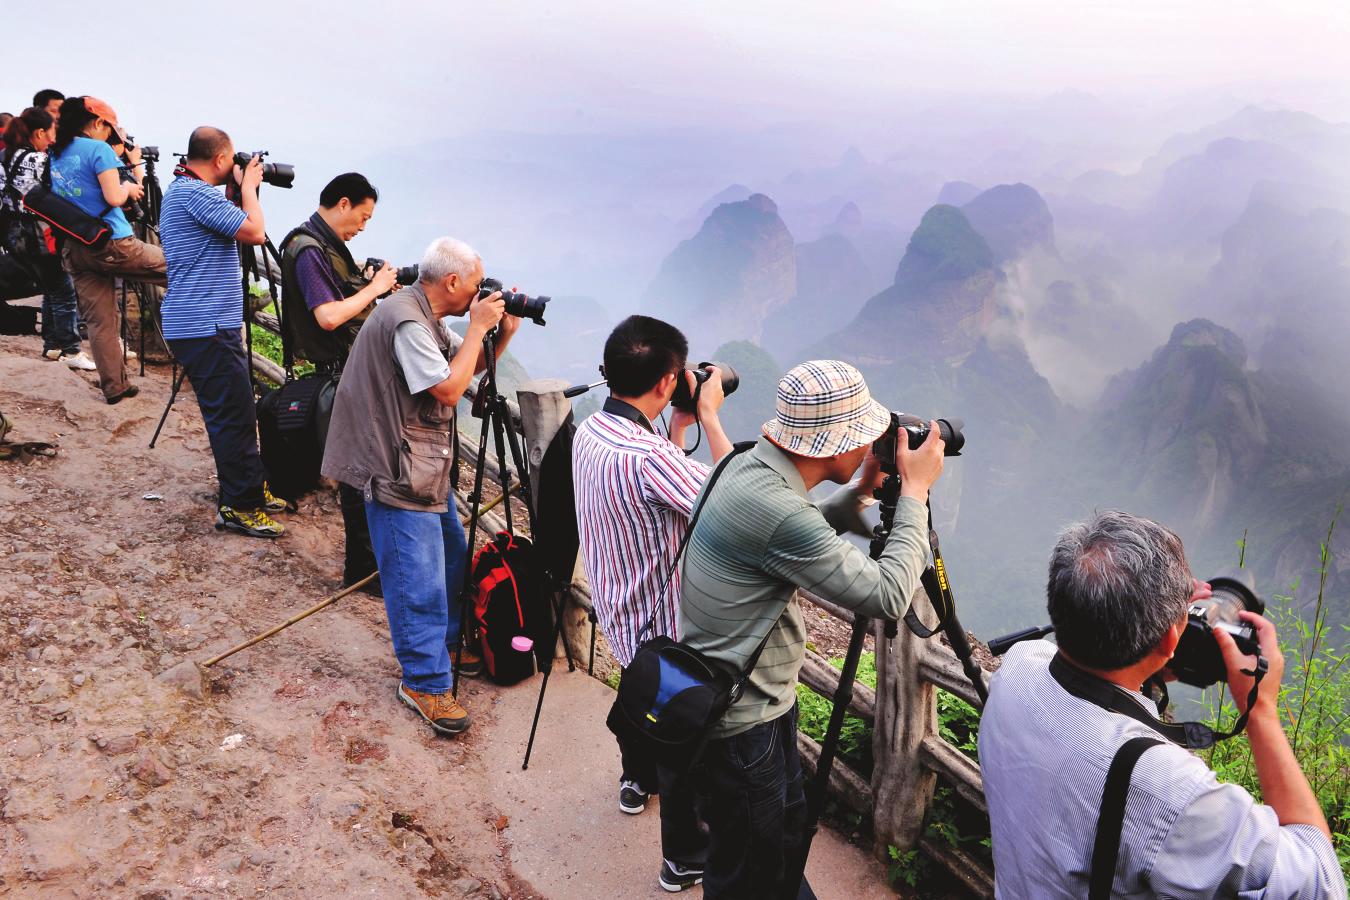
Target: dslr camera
[[684, 399], [518, 305], [1198, 661], [916, 432], [406, 274], [276, 174]]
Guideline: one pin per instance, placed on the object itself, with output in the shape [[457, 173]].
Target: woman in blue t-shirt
[[86, 171], [30, 241]]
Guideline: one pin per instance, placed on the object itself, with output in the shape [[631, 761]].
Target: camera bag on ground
[[511, 599], [292, 427], [671, 695]]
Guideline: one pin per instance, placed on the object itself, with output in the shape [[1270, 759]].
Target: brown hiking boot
[[442, 711], [470, 663]]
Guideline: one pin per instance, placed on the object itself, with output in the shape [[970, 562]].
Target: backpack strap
[[1111, 819]]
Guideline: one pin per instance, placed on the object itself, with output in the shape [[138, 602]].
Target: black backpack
[[292, 430], [511, 599]]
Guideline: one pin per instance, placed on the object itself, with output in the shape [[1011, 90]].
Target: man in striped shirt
[[635, 491]]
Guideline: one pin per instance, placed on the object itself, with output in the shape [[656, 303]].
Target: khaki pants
[[94, 274]]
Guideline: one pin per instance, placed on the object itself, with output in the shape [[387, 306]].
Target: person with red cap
[[86, 170]]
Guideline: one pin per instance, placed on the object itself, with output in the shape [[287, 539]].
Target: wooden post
[[906, 714]]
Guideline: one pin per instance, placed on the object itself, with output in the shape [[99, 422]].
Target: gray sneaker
[[632, 798], [675, 877]]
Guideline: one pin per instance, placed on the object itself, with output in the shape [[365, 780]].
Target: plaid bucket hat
[[824, 409]]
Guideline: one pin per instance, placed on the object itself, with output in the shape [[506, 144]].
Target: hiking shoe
[[53, 354], [131, 391], [470, 663], [675, 877], [80, 360], [632, 798], [252, 522], [441, 711], [271, 502]]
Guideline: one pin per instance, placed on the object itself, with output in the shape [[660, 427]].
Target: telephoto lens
[[518, 305], [916, 432], [684, 399], [1198, 661], [276, 174]]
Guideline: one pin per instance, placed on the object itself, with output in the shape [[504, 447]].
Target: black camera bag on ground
[[671, 695], [292, 429], [511, 599]]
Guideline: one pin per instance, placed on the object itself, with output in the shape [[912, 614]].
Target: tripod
[[938, 588], [248, 265]]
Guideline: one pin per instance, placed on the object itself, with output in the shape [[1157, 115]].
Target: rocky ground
[[292, 770]]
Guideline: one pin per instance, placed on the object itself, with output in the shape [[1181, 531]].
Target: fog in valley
[[1116, 243]]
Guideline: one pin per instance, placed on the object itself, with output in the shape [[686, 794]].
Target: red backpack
[[512, 601]]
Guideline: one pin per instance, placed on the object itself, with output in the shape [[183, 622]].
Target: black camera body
[[683, 399], [406, 274], [518, 305], [276, 174], [1197, 661], [916, 432]]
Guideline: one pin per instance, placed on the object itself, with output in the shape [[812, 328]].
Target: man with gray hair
[[1060, 719], [391, 438]]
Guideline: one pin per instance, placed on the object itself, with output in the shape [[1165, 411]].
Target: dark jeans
[[683, 838], [60, 321], [756, 811], [422, 557], [359, 556], [218, 372]]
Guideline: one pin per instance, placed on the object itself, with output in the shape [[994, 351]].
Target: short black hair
[[206, 143], [352, 185], [640, 352], [47, 95]]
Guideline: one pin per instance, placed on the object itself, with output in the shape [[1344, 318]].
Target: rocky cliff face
[[832, 284], [723, 283]]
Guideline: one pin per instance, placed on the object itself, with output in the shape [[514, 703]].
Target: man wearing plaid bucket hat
[[759, 538]]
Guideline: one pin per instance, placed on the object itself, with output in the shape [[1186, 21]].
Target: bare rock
[[187, 677], [26, 746], [50, 689], [116, 746], [149, 771]]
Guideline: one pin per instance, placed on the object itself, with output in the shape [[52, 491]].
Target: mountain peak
[[1204, 333], [1013, 218], [944, 248], [849, 216]]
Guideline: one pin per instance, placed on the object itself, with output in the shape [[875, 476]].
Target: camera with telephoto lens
[[518, 305], [684, 398], [916, 432], [276, 174], [1198, 661], [405, 275]]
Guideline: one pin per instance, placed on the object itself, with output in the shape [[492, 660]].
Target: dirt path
[[297, 773]]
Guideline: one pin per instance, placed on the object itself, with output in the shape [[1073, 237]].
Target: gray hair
[[1117, 583], [445, 257]]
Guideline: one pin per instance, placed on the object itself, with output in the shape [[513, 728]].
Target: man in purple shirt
[[325, 298]]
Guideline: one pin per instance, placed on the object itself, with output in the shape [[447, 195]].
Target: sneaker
[[53, 354], [675, 877], [632, 798], [80, 360], [131, 391], [271, 502], [441, 711], [252, 522], [470, 663]]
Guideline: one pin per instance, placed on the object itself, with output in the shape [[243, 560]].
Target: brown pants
[[94, 274]]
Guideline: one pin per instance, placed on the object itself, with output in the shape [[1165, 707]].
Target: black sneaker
[[632, 799], [676, 878]]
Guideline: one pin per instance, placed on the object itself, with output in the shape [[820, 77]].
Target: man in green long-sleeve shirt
[[759, 538]]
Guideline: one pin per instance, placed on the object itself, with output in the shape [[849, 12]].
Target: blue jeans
[[60, 321], [756, 812], [422, 558]]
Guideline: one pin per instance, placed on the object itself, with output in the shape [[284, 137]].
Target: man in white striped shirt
[[635, 492]]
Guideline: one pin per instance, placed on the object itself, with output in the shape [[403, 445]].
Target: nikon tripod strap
[[936, 586], [1112, 698]]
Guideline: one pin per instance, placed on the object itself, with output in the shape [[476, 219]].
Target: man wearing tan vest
[[391, 439]]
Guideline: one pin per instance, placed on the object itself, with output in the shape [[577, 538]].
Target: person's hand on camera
[[1235, 661], [486, 312], [385, 279], [135, 191], [250, 177], [133, 156], [711, 398], [871, 479], [920, 469]]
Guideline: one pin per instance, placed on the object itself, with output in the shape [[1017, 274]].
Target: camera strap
[[936, 586], [1113, 698]]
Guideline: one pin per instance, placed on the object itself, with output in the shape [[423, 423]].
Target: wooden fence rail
[[909, 753]]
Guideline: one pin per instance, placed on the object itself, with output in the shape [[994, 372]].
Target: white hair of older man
[[446, 257]]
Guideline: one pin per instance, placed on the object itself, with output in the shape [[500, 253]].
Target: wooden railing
[[909, 754]]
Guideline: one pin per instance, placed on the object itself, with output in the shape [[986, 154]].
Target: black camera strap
[[1111, 818], [1113, 698], [936, 586]]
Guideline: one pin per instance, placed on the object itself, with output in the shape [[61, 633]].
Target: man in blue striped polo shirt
[[203, 313]]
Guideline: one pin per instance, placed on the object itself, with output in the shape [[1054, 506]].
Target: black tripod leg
[[475, 502], [179, 375], [590, 661], [548, 670]]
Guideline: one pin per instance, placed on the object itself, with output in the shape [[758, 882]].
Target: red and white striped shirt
[[635, 492]]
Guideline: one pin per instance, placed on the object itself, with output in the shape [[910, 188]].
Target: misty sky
[[402, 72]]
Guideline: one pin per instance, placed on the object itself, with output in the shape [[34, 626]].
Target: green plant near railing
[[1314, 706], [267, 344]]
